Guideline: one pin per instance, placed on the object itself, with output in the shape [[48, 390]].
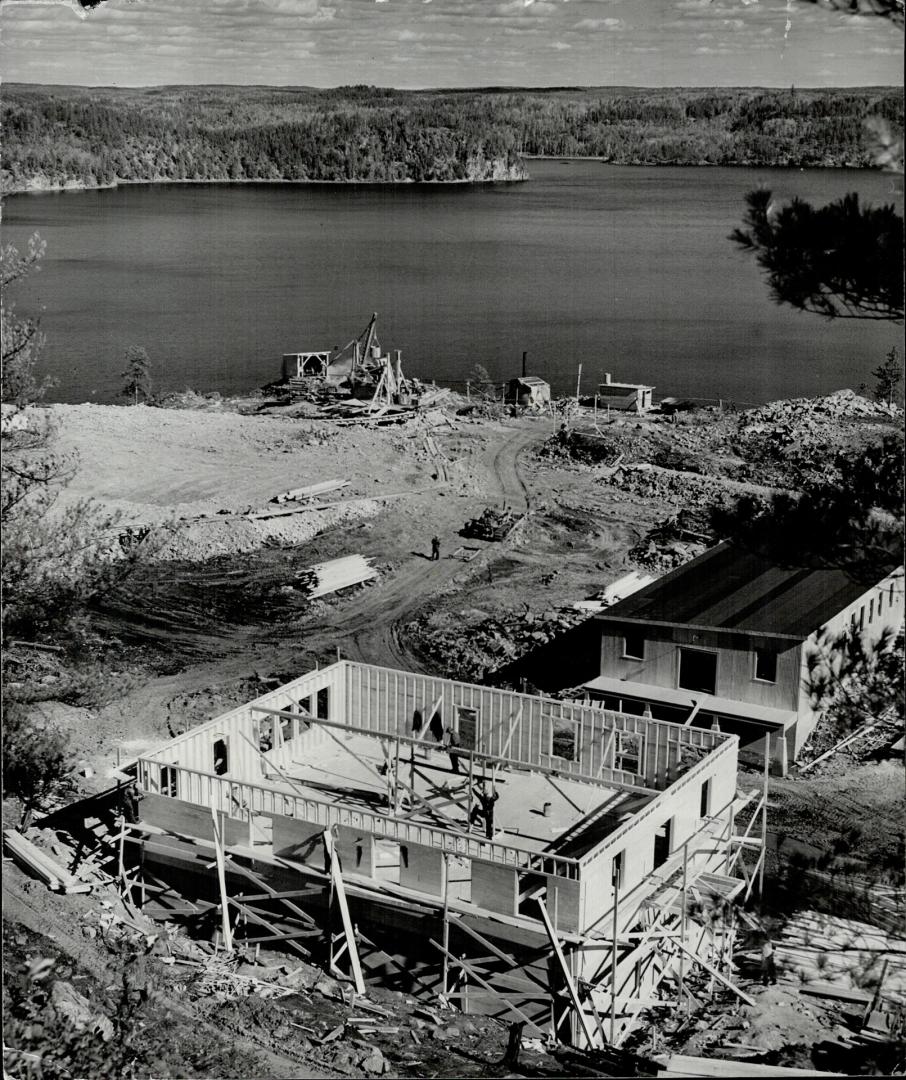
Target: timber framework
[[527, 858]]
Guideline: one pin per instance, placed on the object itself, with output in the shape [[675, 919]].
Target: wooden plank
[[741, 994], [336, 878], [276, 934], [461, 924], [221, 881], [472, 973], [570, 985]]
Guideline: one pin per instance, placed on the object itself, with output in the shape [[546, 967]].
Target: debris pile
[[679, 487], [468, 644], [674, 540], [794, 442]]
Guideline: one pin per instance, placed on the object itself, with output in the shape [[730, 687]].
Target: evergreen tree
[[136, 375], [888, 377]]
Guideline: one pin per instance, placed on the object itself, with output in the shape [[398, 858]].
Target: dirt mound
[[210, 537]]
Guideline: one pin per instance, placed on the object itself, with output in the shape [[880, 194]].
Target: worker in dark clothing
[[416, 723], [452, 741], [435, 548], [129, 800], [768, 964], [436, 727], [484, 810]]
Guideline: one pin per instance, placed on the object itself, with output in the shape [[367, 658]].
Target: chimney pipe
[[524, 358], [607, 377]]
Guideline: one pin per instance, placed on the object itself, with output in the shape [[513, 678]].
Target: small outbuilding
[[529, 391], [629, 397], [306, 365]]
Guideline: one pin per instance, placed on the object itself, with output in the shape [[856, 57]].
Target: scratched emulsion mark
[[79, 8]]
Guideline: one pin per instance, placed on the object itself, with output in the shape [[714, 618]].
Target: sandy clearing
[[157, 464]]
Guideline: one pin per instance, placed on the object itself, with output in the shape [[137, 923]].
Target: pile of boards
[[42, 865], [329, 577]]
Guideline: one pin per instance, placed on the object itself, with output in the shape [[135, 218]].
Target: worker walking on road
[[435, 548]]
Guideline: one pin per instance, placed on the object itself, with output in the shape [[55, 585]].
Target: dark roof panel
[[731, 588]]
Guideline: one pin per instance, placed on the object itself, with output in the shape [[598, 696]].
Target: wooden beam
[[461, 924], [741, 994], [472, 973], [272, 893], [570, 985], [336, 877], [524, 766], [276, 935], [221, 880]]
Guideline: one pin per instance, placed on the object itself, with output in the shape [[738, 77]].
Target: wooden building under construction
[[528, 858]]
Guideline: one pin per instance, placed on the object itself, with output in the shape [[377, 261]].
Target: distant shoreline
[[63, 189]]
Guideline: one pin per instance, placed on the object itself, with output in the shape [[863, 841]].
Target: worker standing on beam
[[452, 741]]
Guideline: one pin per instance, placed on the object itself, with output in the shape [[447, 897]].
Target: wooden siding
[[735, 664]]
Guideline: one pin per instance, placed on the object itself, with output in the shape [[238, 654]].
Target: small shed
[[528, 390], [306, 365], [630, 397]]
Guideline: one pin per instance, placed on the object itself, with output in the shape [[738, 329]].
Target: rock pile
[[468, 644]]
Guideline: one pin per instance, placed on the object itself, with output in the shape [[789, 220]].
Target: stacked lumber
[[814, 947], [330, 577], [310, 492], [42, 865]]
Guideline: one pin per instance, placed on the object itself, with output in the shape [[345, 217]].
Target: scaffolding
[[578, 937]]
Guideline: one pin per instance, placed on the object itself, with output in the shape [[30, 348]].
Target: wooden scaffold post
[[338, 891], [221, 881]]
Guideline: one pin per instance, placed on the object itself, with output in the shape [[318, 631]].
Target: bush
[[37, 761]]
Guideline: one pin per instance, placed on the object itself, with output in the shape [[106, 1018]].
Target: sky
[[446, 43]]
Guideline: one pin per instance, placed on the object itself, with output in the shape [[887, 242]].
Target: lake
[[623, 269]]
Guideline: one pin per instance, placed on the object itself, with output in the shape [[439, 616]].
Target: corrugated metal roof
[[730, 588]]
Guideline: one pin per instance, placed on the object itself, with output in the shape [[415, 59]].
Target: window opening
[[862, 617], [323, 704], [168, 781], [698, 670], [563, 742], [766, 665], [628, 755], [662, 843], [705, 802], [468, 727], [634, 644], [617, 867], [871, 609], [221, 756]]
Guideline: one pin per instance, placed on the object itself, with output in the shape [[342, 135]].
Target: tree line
[[56, 136]]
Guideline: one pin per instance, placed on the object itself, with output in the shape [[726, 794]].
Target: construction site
[[356, 809]]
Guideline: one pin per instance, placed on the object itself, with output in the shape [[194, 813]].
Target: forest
[[57, 136]]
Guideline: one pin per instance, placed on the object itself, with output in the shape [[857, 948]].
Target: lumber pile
[[826, 950], [312, 491], [329, 577], [42, 865]]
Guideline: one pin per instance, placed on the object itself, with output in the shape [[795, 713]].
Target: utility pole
[[578, 383]]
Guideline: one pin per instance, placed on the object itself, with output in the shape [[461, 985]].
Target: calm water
[[626, 270]]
